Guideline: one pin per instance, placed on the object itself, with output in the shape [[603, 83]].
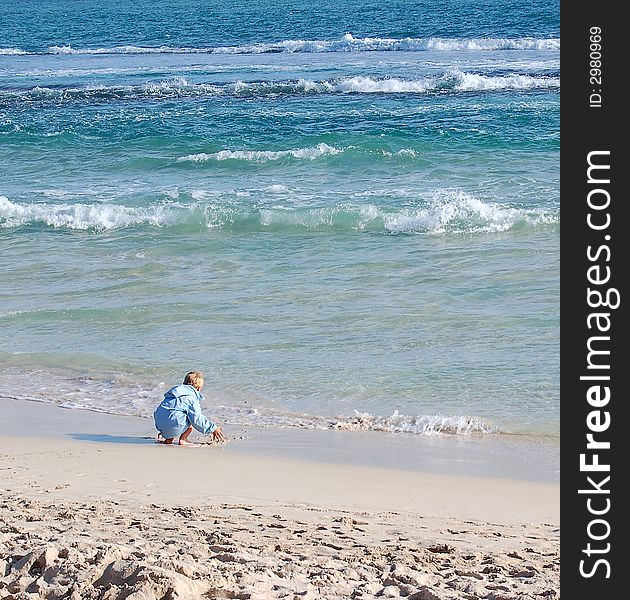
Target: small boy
[[180, 412]]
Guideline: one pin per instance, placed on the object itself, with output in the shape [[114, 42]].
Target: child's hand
[[218, 435]]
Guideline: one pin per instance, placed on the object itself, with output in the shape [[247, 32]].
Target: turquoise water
[[346, 215]]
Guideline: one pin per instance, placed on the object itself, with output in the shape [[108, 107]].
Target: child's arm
[[198, 420]]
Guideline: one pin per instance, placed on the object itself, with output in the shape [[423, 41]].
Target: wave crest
[[321, 149], [83, 216], [12, 51], [179, 87], [447, 212], [347, 43]]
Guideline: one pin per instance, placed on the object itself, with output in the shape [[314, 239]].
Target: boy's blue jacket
[[179, 409]]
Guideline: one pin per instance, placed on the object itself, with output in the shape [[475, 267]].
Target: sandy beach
[[93, 508]]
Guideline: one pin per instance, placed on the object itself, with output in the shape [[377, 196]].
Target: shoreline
[[93, 508], [518, 457], [116, 389]]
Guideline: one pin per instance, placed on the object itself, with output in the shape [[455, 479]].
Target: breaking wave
[[179, 87], [447, 212], [12, 51], [420, 425], [263, 155], [347, 43]]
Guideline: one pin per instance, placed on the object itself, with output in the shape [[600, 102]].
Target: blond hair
[[194, 378]]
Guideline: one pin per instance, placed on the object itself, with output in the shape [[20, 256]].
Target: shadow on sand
[[112, 439]]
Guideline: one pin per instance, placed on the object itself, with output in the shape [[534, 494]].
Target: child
[[180, 411]]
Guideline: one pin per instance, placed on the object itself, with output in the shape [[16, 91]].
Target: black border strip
[[594, 52]]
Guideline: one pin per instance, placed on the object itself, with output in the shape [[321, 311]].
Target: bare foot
[[185, 443]]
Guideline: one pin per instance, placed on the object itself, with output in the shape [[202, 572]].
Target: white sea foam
[[471, 81], [451, 211], [445, 212], [431, 425], [82, 216], [452, 80], [347, 43], [12, 51], [369, 85], [264, 155], [173, 87], [277, 188], [421, 424], [66, 49], [176, 87], [485, 44]]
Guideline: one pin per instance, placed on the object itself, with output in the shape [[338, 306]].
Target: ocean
[[346, 214]]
